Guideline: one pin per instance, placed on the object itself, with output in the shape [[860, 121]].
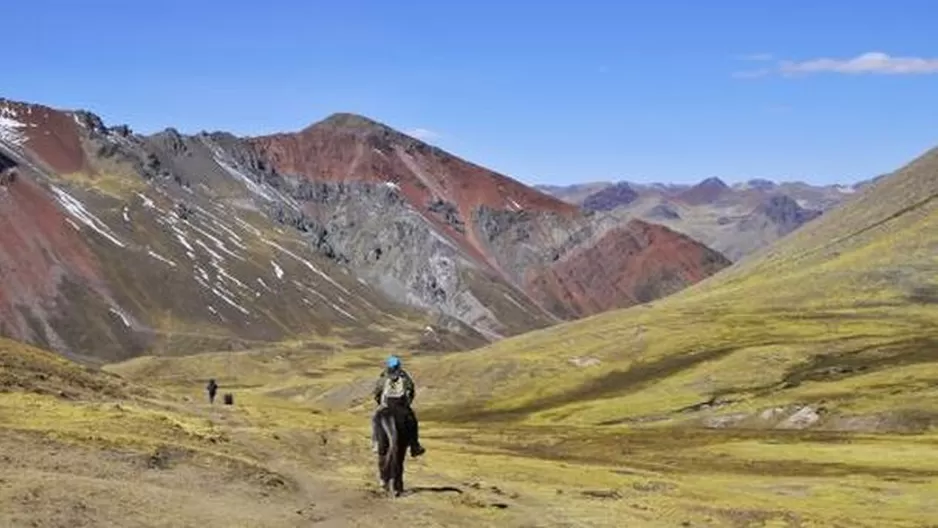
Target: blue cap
[[394, 362]]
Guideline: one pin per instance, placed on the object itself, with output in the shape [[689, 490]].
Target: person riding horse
[[395, 387]]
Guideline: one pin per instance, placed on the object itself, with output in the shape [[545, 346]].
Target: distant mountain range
[[733, 219]]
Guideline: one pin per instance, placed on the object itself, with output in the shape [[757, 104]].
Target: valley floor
[[275, 459]]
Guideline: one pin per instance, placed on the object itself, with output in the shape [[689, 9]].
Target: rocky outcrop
[[707, 191], [663, 211], [176, 246], [779, 213], [611, 197]]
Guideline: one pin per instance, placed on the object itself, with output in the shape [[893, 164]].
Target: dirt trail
[[256, 478]]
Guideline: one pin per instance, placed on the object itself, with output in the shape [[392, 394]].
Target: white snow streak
[[225, 298], [249, 227], [126, 214], [224, 273], [308, 265], [120, 314], [248, 182], [343, 312], [73, 224], [231, 233], [264, 284], [148, 203], [181, 237], [513, 301], [210, 251], [9, 131], [221, 245], [161, 258], [78, 210], [277, 270]]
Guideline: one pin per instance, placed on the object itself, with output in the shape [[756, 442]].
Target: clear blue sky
[[547, 92]]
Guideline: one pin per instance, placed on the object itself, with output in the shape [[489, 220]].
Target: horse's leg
[[399, 468], [405, 434], [386, 438], [389, 425]]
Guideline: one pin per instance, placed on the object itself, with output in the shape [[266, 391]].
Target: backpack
[[394, 388]]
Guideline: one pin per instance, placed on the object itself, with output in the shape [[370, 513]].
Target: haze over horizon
[[673, 92]]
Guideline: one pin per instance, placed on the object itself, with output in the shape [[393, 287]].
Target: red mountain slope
[[110, 249], [476, 208], [629, 265], [350, 148]]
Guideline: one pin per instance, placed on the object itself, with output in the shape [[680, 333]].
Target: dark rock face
[[663, 212], [449, 213], [7, 169], [781, 211], [611, 197], [761, 184], [707, 191]]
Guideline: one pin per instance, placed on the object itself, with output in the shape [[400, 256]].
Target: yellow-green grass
[[858, 298], [839, 316]]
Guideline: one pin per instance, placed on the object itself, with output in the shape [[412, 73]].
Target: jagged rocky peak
[[349, 122], [377, 135], [663, 211], [783, 209], [90, 121], [712, 183], [761, 184], [611, 197], [172, 140]]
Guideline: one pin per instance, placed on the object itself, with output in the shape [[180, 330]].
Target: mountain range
[[736, 220], [116, 243], [764, 391]]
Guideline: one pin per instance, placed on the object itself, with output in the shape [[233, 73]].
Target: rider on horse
[[395, 387]]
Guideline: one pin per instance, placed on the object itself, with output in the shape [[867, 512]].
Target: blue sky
[[547, 92]]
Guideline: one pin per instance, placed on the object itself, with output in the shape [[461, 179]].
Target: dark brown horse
[[394, 436]]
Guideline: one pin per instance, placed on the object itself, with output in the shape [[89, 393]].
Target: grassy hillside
[[798, 388], [841, 314]]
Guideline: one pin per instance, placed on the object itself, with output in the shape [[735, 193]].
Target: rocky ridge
[[121, 243]]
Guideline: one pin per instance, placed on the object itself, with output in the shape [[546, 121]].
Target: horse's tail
[[389, 426]]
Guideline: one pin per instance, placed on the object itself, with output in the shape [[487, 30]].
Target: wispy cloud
[[870, 63], [423, 134], [874, 62], [755, 57]]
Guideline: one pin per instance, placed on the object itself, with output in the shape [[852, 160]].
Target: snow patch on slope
[[228, 300], [121, 315], [277, 270], [248, 182], [315, 270], [161, 258], [78, 210], [10, 129]]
